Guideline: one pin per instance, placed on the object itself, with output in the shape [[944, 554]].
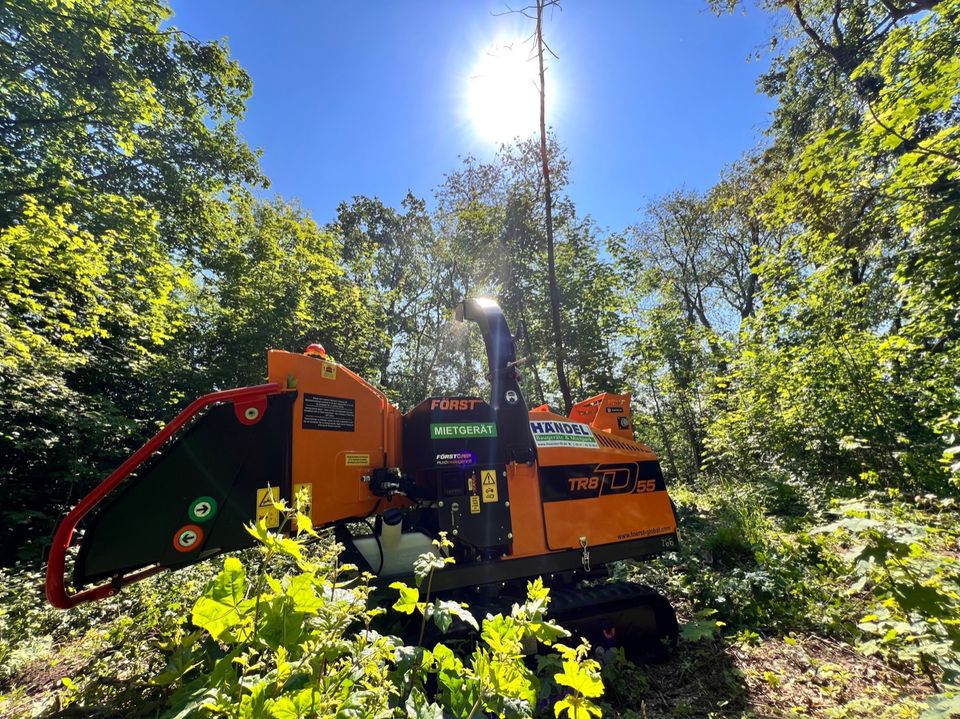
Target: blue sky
[[371, 98]]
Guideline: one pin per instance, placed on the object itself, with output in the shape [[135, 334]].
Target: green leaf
[[409, 598], [297, 706], [302, 590], [418, 707], [943, 706], [179, 663], [188, 700], [698, 631], [579, 679], [576, 708], [222, 610], [445, 610]]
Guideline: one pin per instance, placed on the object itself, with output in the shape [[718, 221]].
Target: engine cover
[[452, 452]]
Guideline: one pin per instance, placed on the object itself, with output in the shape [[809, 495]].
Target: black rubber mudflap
[[618, 614], [193, 499]]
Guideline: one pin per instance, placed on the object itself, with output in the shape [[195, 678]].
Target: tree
[[390, 257], [854, 333], [558, 352], [279, 284], [492, 216], [118, 154], [99, 99]]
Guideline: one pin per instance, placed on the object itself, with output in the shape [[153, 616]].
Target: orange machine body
[[519, 492], [614, 489], [610, 498], [343, 427], [359, 430]]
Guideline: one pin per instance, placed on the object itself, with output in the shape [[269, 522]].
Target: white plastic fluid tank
[[399, 559], [400, 549]]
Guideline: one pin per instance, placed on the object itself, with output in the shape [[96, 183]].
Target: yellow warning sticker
[[474, 504], [307, 489], [265, 509], [488, 485], [358, 460], [328, 370]]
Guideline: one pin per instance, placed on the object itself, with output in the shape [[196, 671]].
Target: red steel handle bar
[[56, 580]]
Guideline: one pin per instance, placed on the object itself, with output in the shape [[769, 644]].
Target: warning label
[[488, 485], [328, 370], [474, 504], [358, 460], [333, 414], [265, 509]]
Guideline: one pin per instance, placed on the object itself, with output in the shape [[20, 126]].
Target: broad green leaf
[[222, 610], [409, 597]]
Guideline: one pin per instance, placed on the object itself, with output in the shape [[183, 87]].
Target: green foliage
[[843, 374], [790, 335], [702, 626], [742, 570], [798, 321], [305, 642], [95, 654], [913, 585], [275, 282]]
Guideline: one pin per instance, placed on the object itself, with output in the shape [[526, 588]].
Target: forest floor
[[802, 676], [787, 646], [99, 675]]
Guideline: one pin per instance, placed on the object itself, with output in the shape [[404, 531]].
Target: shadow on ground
[[806, 677], [699, 679]]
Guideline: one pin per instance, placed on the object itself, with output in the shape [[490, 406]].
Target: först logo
[[458, 405]]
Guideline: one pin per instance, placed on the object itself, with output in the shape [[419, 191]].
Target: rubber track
[[618, 614]]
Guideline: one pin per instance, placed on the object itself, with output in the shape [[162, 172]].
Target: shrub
[[306, 643]]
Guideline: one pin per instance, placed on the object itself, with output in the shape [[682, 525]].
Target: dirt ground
[[806, 676]]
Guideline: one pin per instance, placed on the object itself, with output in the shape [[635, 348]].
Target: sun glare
[[502, 101]]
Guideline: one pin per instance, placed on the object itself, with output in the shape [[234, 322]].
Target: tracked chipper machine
[[521, 493]]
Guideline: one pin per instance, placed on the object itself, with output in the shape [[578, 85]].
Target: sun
[[502, 98]]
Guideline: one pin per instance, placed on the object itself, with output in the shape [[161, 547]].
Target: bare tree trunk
[[548, 204]]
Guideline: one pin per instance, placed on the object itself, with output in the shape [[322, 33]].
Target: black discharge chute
[[193, 500]]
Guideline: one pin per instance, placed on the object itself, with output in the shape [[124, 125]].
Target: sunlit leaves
[[582, 677], [223, 609], [409, 598], [300, 644], [914, 586]]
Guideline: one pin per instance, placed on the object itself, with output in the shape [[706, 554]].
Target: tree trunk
[[548, 204]]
